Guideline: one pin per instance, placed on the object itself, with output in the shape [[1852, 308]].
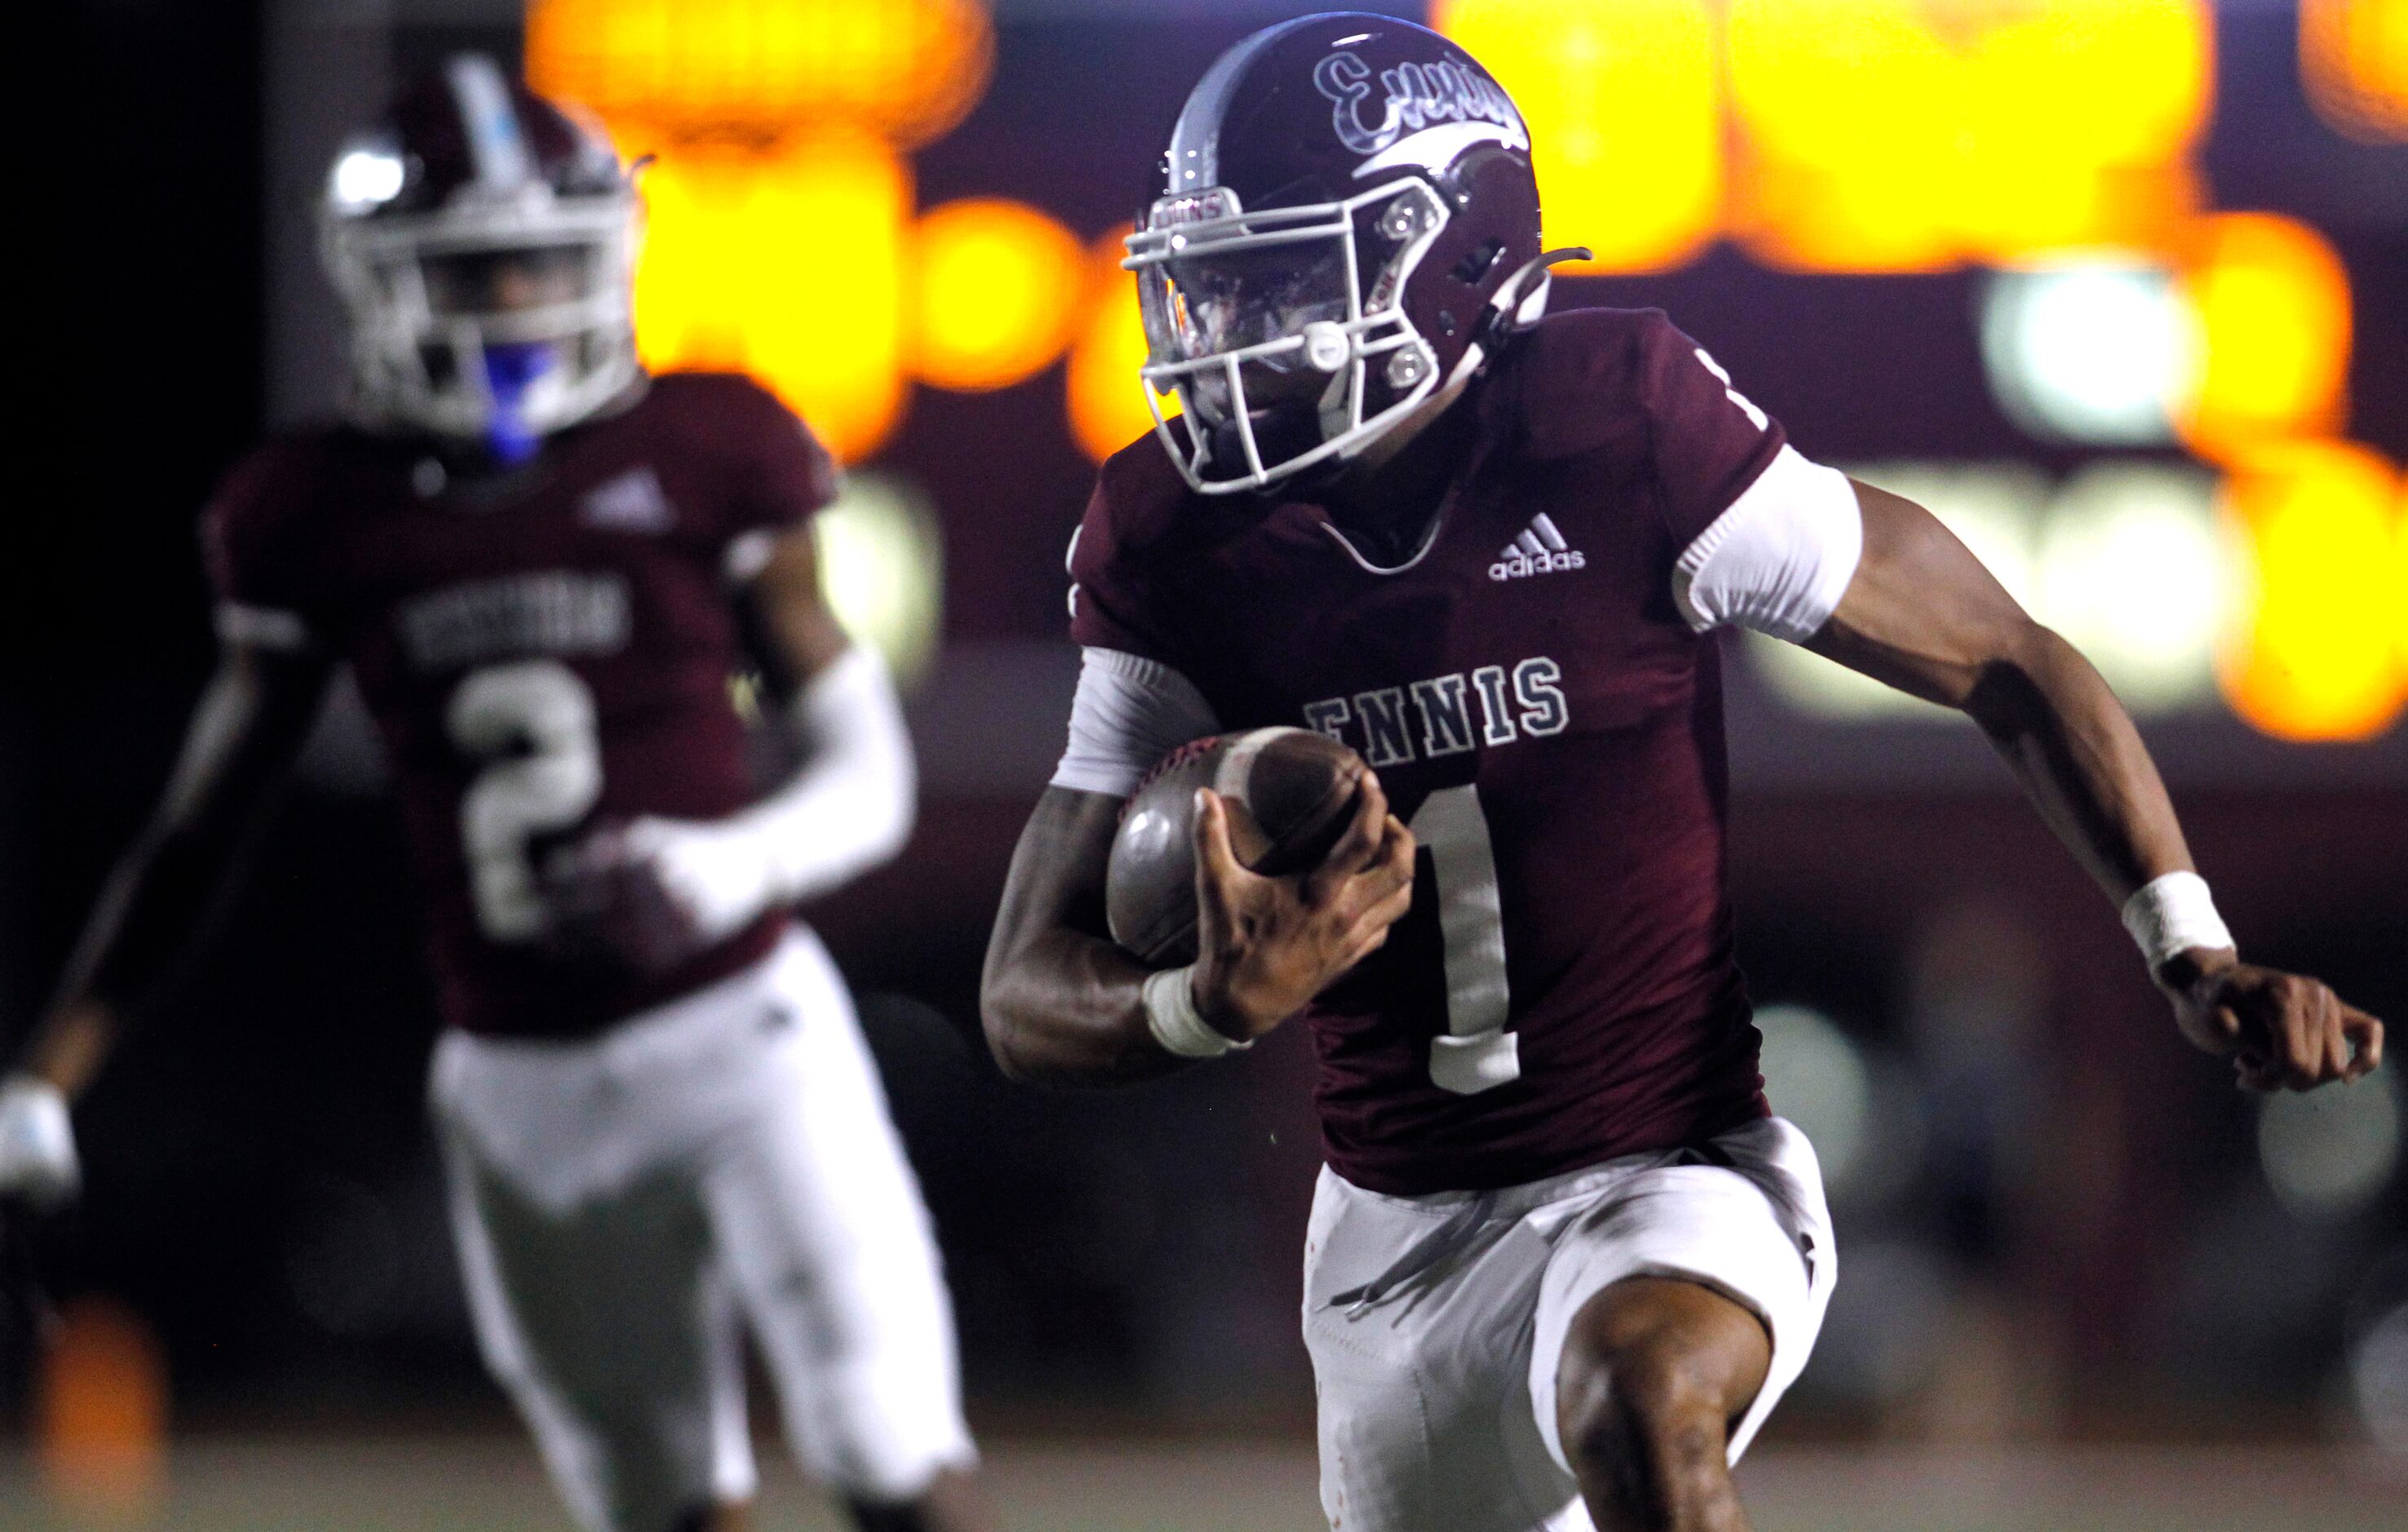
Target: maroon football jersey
[[541, 653], [1564, 989]]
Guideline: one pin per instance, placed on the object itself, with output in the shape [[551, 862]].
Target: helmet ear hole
[[1473, 268]]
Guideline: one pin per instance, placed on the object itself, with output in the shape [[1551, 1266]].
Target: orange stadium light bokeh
[[779, 205], [2318, 655], [2268, 302], [1624, 103], [789, 267], [1893, 136], [996, 293], [1107, 398], [908, 70], [2353, 58], [101, 1415]]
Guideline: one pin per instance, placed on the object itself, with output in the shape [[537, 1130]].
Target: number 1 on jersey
[[1476, 1052]]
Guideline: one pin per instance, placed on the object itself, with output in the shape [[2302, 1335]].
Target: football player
[[660, 1124], [1563, 1260]]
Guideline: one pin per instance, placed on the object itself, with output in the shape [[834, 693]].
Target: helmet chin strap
[[1519, 302]]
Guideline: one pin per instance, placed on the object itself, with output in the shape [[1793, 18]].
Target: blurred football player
[[1563, 1260], [660, 1122]]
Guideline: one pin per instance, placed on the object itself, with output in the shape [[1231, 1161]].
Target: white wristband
[[2171, 915], [1171, 1016]]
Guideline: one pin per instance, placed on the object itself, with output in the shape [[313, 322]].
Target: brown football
[[1291, 793]]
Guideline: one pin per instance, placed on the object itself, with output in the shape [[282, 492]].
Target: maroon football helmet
[[484, 242], [1346, 217]]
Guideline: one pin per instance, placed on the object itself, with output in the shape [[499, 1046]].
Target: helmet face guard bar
[[399, 328], [1210, 223]]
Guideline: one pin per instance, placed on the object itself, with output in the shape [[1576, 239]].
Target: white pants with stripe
[[1437, 1323], [625, 1205]]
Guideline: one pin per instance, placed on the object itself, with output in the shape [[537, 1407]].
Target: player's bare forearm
[[1923, 615], [153, 910], [1062, 1003]]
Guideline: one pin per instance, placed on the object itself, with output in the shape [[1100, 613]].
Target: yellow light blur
[[1107, 396], [998, 293], [2316, 657], [2400, 578], [1912, 135], [1622, 100], [883, 570], [2353, 56], [754, 70], [2269, 307], [789, 267]]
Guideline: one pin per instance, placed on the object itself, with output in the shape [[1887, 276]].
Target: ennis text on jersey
[[1548, 719]]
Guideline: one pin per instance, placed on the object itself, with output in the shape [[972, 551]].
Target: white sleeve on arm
[[1129, 713], [1779, 558], [851, 805], [848, 810]]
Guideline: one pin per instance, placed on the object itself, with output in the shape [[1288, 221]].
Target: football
[[1291, 793]]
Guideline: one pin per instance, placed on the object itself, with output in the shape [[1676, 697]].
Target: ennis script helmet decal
[[1420, 95]]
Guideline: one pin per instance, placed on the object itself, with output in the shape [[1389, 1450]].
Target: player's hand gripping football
[[1267, 945], [2283, 1031]]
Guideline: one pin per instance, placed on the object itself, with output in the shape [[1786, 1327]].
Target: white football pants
[[623, 1203], [1437, 1323]]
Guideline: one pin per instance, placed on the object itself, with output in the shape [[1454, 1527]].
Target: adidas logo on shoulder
[[632, 502], [1540, 550]]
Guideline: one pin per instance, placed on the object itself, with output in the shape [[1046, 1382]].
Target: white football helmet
[[484, 241]]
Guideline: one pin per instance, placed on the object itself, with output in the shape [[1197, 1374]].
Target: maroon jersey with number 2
[[1564, 989], [541, 652]]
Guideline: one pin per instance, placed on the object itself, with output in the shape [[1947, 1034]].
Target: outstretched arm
[[156, 907], [1923, 615]]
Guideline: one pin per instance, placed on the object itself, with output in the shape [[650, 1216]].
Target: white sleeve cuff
[[1129, 713], [1779, 558]]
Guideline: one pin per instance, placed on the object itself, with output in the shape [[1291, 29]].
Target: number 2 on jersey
[[1476, 1052], [533, 723]]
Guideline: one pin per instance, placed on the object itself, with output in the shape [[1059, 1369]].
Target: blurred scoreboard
[[2173, 238]]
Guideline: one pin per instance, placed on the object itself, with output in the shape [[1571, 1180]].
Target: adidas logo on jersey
[[1540, 550], [633, 501]]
